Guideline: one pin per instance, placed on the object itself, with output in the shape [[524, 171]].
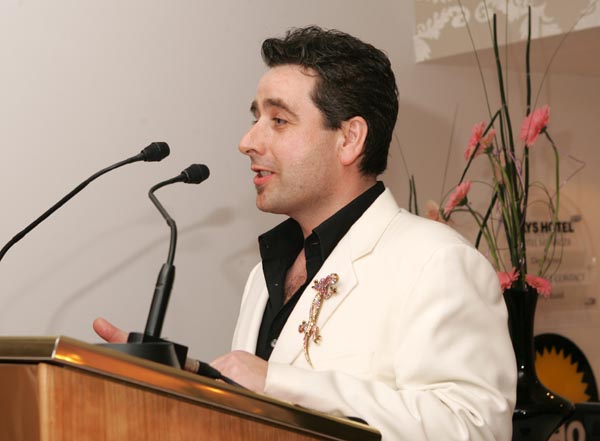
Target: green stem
[[410, 194], [502, 92], [510, 217], [555, 207], [524, 209], [485, 219], [492, 245], [527, 61], [414, 186], [413, 206], [526, 152], [510, 165]]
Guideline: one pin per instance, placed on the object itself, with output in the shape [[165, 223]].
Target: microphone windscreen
[[195, 173], [157, 151]]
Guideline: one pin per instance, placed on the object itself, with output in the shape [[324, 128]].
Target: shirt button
[[273, 342]]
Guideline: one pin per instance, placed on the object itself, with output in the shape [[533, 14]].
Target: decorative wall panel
[[440, 24]]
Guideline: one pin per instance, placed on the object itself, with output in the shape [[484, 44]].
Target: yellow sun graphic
[[559, 374]]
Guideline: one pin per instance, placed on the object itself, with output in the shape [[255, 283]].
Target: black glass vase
[[538, 411]]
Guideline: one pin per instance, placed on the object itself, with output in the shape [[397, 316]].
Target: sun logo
[[564, 369], [561, 375]]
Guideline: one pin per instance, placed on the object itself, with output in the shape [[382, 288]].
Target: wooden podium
[[60, 389]]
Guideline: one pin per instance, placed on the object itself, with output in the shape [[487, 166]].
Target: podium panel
[[19, 402], [61, 389]]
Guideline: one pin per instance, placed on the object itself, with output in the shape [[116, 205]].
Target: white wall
[[84, 84]]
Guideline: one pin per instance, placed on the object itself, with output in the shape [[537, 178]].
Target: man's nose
[[250, 142]]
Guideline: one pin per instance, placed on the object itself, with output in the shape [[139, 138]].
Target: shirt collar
[[286, 238]]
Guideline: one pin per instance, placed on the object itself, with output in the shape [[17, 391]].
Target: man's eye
[[279, 121]]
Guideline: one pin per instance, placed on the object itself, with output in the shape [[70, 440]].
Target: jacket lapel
[[360, 241], [251, 313]]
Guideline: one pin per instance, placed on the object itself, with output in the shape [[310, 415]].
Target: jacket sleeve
[[452, 363]]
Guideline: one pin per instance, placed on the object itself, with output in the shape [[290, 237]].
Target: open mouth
[[262, 176]]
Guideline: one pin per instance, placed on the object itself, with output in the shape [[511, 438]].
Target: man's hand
[[109, 332], [244, 368]]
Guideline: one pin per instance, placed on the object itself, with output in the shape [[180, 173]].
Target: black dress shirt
[[279, 248]]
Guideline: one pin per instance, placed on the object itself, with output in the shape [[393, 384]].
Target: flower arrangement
[[502, 225]]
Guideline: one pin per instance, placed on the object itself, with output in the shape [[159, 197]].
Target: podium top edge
[[28, 348], [70, 352]]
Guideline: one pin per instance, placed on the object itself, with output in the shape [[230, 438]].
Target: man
[[404, 326]]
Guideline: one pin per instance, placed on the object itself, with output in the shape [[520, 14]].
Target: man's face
[[292, 153]]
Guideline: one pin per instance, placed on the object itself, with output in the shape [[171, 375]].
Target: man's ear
[[354, 133]]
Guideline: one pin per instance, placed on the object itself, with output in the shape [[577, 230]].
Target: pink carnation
[[542, 285], [458, 197], [507, 278], [533, 124], [478, 137]]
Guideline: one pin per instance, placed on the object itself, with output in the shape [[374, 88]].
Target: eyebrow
[[273, 102]]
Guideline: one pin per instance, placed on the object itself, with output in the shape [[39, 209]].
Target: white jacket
[[415, 341]]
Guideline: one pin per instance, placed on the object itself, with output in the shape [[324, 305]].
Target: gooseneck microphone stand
[[156, 151], [164, 283], [149, 345]]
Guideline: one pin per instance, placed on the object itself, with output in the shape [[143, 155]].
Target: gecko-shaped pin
[[325, 289]]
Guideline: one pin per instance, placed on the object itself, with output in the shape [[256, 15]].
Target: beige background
[[84, 84]]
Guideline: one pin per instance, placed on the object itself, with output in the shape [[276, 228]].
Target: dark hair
[[354, 79]]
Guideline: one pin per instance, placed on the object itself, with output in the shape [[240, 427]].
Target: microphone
[[148, 344], [156, 151], [194, 174]]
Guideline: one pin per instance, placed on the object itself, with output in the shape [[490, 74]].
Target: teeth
[[262, 173]]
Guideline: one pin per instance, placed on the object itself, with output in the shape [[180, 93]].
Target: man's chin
[[267, 207]]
